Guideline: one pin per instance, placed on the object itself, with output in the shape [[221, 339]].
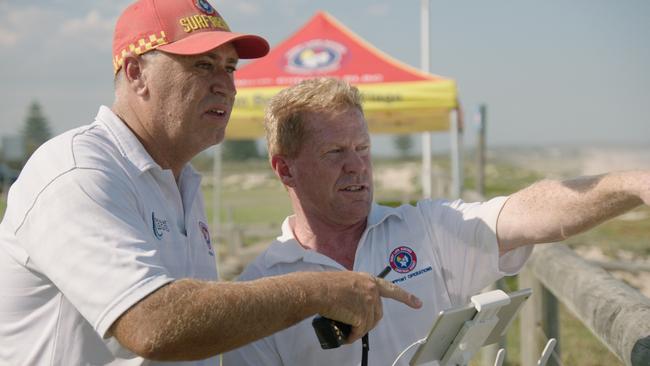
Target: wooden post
[[550, 324], [216, 196], [622, 266], [616, 313], [530, 319], [539, 321]]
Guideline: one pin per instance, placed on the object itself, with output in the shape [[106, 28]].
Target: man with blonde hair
[[444, 252]]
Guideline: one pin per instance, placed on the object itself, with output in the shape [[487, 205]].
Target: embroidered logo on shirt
[[403, 259], [159, 226], [413, 274], [206, 236]]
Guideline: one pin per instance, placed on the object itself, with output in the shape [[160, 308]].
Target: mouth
[[218, 112], [354, 188]]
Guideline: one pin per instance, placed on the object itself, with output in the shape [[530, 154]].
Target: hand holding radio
[[353, 316]]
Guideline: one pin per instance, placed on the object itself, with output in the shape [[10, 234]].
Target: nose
[[355, 163], [223, 84]]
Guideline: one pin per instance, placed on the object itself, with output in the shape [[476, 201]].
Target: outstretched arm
[[191, 319], [550, 210]]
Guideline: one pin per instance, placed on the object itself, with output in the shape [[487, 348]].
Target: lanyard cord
[[365, 346]]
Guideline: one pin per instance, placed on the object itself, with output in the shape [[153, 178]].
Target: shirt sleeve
[[465, 242], [86, 234]]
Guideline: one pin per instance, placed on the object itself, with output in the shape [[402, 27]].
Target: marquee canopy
[[397, 98]]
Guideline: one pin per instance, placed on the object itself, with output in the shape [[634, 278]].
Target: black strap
[[365, 345]]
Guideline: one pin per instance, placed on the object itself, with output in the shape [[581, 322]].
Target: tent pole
[[456, 144], [426, 165], [216, 199], [480, 150], [424, 64]]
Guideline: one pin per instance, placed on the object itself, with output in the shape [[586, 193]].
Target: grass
[[579, 346], [258, 210], [500, 178], [252, 207]]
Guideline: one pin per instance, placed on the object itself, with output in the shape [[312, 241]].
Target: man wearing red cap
[[105, 255]]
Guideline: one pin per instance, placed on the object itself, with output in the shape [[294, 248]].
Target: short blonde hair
[[286, 111]]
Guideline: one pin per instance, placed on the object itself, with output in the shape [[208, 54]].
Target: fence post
[[551, 323], [539, 320], [616, 313], [530, 317]]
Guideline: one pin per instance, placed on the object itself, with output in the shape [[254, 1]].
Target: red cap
[[182, 27]]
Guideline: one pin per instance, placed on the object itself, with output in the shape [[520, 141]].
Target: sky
[[551, 72]]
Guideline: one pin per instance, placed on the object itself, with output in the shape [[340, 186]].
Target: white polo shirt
[[443, 252], [92, 226]]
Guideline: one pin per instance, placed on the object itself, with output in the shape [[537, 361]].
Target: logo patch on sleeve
[[159, 226], [206, 235]]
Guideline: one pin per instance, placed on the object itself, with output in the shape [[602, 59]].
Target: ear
[[281, 165], [133, 73]]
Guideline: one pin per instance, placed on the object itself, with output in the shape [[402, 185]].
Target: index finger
[[392, 291]]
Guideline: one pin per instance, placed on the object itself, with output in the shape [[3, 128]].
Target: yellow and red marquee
[[397, 98]]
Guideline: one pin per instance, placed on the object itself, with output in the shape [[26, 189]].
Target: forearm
[[550, 210], [191, 319]]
